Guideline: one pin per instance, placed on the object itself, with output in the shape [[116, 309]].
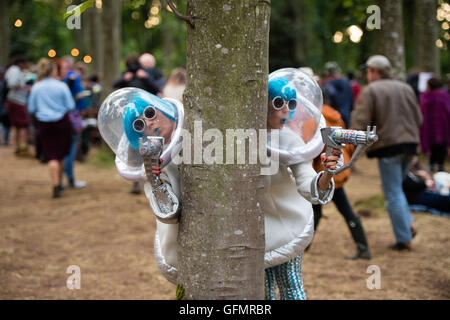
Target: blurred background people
[[422, 193], [136, 76], [435, 129], [148, 62], [16, 104], [339, 90], [73, 80], [4, 117], [50, 101], [392, 106], [176, 84]]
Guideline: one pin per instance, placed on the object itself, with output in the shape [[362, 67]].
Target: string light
[[51, 53], [338, 36], [87, 59], [75, 52], [18, 23]]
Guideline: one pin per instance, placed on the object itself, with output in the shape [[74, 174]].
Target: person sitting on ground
[[420, 190]]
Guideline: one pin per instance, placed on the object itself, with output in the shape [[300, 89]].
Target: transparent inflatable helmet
[[130, 113], [295, 107]]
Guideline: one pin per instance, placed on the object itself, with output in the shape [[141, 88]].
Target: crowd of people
[[409, 122], [51, 108]]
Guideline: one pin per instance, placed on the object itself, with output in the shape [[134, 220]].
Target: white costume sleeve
[[307, 180], [165, 243], [130, 173]]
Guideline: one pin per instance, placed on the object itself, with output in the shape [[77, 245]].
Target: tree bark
[[221, 237], [112, 28], [390, 38], [94, 40], [4, 33], [428, 34]]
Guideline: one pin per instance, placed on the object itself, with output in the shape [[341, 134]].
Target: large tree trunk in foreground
[[428, 34], [390, 38], [112, 27], [221, 238]]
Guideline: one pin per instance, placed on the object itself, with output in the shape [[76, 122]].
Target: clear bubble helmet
[[124, 109], [299, 135]]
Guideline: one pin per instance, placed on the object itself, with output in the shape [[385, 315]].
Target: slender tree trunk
[[302, 31], [4, 33], [112, 28], [221, 237], [428, 34], [168, 49], [93, 17], [390, 38]]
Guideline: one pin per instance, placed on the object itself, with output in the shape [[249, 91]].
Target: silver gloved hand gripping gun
[[337, 138], [164, 202]]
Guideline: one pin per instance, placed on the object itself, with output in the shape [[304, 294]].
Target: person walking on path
[[334, 119], [4, 118], [73, 80], [16, 104], [392, 106], [435, 129], [51, 101]]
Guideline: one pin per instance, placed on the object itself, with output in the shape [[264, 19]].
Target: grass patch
[[103, 158], [375, 202]]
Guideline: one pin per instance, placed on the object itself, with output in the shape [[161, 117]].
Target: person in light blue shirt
[[50, 102]]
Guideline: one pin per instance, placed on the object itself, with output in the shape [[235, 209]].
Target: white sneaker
[[78, 184]]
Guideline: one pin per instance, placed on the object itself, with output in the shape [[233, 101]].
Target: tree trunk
[[94, 40], [390, 38], [4, 34], [428, 51], [112, 28], [221, 237]]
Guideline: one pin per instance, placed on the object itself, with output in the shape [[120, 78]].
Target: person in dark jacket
[[136, 76]]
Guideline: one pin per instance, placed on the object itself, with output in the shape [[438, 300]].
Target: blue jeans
[[392, 171], [69, 160]]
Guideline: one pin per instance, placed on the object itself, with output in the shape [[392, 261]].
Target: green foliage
[[179, 293], [78, 10], [301, 32]]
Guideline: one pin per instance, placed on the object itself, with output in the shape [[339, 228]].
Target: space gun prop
[[165, 204], [337, 138]]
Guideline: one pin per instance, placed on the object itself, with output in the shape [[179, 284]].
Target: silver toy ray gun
[[164, 202], [337, 138]]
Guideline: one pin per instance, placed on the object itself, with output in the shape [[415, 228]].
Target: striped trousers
[[288, 277]]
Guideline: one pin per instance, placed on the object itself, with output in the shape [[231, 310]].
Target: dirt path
[[108, 233]]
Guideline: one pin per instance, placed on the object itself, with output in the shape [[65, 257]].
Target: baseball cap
[[377, 62]]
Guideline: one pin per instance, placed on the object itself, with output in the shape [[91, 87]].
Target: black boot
[[57, 191], [359, 236]]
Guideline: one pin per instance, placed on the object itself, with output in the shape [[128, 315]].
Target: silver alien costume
[[288, 212]]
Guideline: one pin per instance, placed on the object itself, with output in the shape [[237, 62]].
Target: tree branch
[[188, 19]]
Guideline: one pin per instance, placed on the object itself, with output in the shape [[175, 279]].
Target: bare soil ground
[[108, 233]]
